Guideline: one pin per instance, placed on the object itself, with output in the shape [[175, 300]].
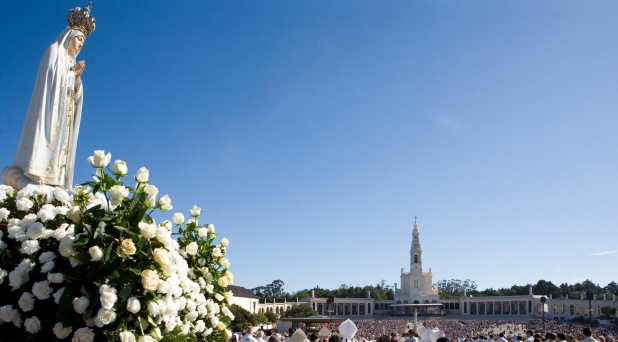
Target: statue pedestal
[[14, 176]]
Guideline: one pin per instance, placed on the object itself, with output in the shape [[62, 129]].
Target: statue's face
[[76, 44]]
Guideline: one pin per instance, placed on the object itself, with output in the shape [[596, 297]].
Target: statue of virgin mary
[[46, 150]]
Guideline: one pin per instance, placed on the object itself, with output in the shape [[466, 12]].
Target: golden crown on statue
[[80, 19]]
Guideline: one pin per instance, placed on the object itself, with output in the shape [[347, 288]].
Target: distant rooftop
[[240, 291]]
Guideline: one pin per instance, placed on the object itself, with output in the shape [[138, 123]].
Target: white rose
[[120, 168], [156, 334], [142, 175], [192, 248], [195, 211], [108, 296], [223, 282], [126, 248], [216, 252], [151, 194], [7, 313], [126, 336], [57, 295], [100, 159], [56, 278], [29, 247], [32, 325], [150, 280], [211, 227], [178, 218], [148, 230], [41, 289], [104, 317], [165, 203], [62, 195], [75, 215], [47, 213], [61, 332], [23, 204], [96, 253], [133, 305], [48, 266], [209, 288], [225, 242], [47, 256], [81, 304], [66, 246], [161, 256], [224, 262], [83, 335], [118, 193], [153, 308], [26, 302], [227, 312], [219, 297], [4, 213]]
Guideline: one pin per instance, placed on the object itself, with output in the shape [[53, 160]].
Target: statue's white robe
[[46, 149]]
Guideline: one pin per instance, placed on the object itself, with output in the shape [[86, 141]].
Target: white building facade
[[416, 287]]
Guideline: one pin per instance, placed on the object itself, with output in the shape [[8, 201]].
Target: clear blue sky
[[312, 132]]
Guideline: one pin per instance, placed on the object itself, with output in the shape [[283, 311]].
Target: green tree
[[271, 317], [608, 310], [300, 310], [242, 318], [611, 288], [454, 288]]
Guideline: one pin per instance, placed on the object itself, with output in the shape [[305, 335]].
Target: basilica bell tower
[[416, 285]]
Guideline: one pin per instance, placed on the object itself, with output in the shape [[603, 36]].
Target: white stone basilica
[[418, 292], [416, 285]]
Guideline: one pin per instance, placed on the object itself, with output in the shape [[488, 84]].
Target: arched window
[[416, 284], [415, 259]]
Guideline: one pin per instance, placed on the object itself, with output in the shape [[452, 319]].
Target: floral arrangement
[[93, 265]]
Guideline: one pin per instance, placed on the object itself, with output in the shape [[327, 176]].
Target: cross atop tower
[[414, 218]]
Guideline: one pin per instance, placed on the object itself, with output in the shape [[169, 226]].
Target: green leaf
[[126, 292], [108, 252]]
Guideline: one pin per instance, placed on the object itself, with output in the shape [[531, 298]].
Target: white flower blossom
[[32, 324], [4, 213], [41, 290], [105, 317], [108, 296], [83, 335], [133, 305], [29, 247], [151, 192], [118, 193], [142, 175], [23, 204], [100, 159], [148, 230], [178, 218], [56, 278], [81, 304], [120, 168], [195, 211], [192, 248], [165, 203], [126, 336], [26, 302], [96, 253], [61, 332]]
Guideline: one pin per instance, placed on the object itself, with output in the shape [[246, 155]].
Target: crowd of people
[[394, 330]]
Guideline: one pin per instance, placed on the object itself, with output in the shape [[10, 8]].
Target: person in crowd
[[587, 331]]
